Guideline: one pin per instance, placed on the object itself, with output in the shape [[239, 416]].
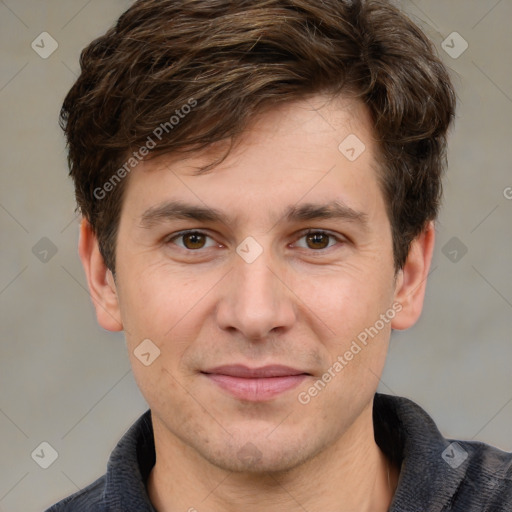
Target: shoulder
[[122, 487], [449, 474], [88, 499], [487, 475]]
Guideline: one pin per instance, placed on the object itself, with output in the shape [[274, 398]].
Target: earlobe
[[412, 280], [101, 283]]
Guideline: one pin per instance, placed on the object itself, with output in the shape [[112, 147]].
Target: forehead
[[308, 151]]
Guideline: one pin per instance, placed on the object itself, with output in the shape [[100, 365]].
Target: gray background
[[65, 381]]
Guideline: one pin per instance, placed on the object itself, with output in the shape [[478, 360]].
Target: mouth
[[255, 384]]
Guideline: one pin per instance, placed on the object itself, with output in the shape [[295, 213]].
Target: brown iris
[[194, 240], [320, 240]]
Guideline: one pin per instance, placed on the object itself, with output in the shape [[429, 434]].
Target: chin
[[258, 457]]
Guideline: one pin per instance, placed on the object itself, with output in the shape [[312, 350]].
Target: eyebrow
[[176, 210]]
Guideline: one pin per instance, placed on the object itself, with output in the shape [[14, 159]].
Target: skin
[[298, 304]]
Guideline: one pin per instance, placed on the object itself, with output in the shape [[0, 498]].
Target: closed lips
[[244, 372]]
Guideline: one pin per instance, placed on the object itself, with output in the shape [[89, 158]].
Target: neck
[[353, 474]]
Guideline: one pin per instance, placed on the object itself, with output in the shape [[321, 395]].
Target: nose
[[256, 300]]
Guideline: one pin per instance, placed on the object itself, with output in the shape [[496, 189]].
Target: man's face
[[255, 289]]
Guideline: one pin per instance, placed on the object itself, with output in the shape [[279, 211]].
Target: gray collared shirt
[[436, 475]]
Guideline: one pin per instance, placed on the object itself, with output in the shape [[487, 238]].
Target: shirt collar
[[129, 466], [410, 438], [403, 431]]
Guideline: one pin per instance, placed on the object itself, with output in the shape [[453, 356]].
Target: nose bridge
[[257, 301], [257, 280]]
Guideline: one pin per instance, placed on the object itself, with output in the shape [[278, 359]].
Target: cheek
[[345, 302], [357, 338], [154, 301], [163, 390]]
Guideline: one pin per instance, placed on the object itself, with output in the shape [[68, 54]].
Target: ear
[[412, 279], [100, 280]]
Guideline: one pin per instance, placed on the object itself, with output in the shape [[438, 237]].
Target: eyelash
[[303, 234]]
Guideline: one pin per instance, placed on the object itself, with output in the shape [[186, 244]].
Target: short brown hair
[[229, 59]]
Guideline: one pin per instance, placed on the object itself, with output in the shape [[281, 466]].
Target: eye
[[318, 240], [191, 240], [196, 240]]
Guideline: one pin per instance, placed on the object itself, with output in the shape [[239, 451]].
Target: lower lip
[[256, 390]]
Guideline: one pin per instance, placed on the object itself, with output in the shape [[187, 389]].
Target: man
[[258, 182]]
